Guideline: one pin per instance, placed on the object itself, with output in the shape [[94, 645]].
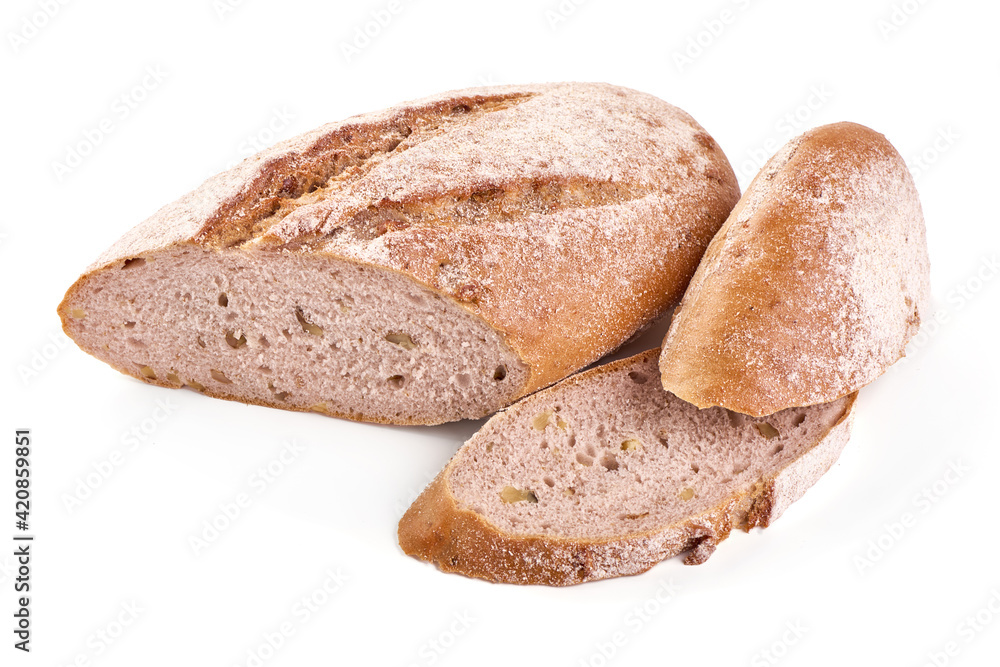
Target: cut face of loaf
[[605, 474], [427, 263], [296, 331], [813, 286]]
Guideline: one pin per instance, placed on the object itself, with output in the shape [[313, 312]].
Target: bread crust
[[566, 216], [812, 287], [436, 529]]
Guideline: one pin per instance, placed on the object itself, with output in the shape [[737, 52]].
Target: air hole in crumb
[[543, 445], [287, 333], [591, 451], [234, 342], [584, 459], [500, 373], [307, 326], [735, 419], [609, 461], [569, 491], [798, 420], [633, 517], [549, 482], [200, 341], [777, 450], [263, 342], [740, 466], [219, 376], [224, 300], [661, 435], [136, 343], [396, 381], [230, 317], [463, 380], [766, 430], [280, 395], [130, 325], [266, 370], [134, 262], [695, 468], [637, 377]]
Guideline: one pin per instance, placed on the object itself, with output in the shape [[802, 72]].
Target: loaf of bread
[[606, 474], [813, 286], [427, 263]]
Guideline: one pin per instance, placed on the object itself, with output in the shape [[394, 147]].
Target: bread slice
[[813, 286], [427, 263], [605, 474]]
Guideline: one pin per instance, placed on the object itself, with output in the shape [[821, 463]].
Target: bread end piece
[[812, 287]]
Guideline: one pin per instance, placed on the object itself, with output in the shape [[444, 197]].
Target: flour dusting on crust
[[812, 287]]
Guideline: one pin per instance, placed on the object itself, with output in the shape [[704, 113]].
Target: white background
[[839, 567]]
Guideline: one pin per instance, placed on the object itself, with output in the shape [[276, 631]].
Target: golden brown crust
[[436, 529], [812, 287], [566, 216], [458, 540]]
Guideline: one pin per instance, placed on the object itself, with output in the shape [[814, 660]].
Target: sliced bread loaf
[[431, 262], [605, 474], [813, 286]]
